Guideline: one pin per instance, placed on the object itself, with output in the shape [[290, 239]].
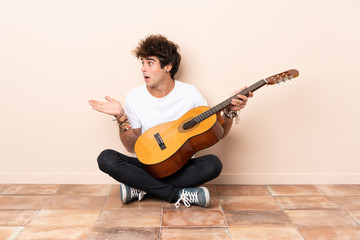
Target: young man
[[161, 99]]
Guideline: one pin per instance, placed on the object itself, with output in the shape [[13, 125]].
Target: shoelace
[[137, 193], [187, 198]]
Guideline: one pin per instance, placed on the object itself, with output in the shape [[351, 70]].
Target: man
[[161, 99]]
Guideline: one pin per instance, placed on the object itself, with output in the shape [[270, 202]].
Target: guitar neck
[[227, 102]]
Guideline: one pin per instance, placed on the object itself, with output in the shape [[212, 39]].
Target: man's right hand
[[111, 107]]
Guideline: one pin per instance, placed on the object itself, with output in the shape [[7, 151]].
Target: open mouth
[[146, 77]]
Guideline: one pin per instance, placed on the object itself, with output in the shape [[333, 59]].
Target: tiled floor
[[95, 212]]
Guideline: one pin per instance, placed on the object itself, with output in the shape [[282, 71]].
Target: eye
[[151, 63]]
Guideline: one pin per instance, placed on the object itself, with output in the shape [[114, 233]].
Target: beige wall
[[55, 55]]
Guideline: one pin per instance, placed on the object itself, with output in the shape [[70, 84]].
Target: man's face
[[152, 71]]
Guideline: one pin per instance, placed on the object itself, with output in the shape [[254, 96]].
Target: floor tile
[[242, 190], [355, 215], [128, 218], [233, 203], [212, 189], [9, 233], [294, 190], [331, 233], [306, 202], [76, 202], [32, 189], [115, 190], [320, 218], [65, 218], [114, 203], [195, 218], [236, 218], [16, 217], [195, 233], [123, 233], [23, 202], [85, 189], [340, 189], [68, 233], [3, 187], [347, 202], [265, 233]]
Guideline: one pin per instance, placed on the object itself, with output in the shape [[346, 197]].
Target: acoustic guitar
[[166, 148]]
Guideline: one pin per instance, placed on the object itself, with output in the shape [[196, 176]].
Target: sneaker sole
[[123, 193], [207, 196]]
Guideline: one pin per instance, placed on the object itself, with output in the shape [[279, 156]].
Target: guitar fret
[[201, 117], [197, 119]]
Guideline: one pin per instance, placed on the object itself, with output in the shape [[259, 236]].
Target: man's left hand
[[238, 104]]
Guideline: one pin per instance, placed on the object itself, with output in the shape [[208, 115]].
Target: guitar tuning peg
[[290, 79]]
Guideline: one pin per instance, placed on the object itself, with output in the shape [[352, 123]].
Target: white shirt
[[146, 111]]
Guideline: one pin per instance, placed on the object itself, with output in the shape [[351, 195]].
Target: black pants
[[129, 170]]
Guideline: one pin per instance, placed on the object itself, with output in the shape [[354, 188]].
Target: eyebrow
[[150, 59]]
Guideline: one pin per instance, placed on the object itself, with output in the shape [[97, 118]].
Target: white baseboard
[[224, 178]]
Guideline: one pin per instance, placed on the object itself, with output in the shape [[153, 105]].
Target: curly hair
[[160, 47]]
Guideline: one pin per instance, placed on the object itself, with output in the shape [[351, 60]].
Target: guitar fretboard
[[227, 102]]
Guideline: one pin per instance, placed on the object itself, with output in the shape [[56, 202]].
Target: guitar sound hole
[[189, 125]]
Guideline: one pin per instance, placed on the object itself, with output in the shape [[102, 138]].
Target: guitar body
[[167, 147]]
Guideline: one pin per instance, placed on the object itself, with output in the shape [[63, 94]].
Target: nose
[[143, 68]]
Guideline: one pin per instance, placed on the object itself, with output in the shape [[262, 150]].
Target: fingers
[[242, 97], [243, 88], [112, 100], [250, 94], [96, 105], [241, 100], [111, 107], [93, 102]]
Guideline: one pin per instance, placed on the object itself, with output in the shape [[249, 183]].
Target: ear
[[168, 67]]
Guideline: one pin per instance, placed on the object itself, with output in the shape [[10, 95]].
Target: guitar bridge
[[159, 141]]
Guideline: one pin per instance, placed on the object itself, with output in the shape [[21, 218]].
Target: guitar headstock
[[282, 77]]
